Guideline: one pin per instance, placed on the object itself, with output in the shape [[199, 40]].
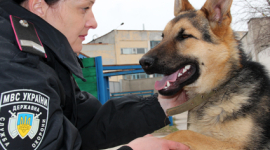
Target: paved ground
[[180, 120]]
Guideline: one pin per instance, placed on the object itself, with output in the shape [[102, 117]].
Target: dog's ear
[[181, 5], [218, 13]]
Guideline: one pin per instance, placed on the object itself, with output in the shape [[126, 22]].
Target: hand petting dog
[[150, 142]]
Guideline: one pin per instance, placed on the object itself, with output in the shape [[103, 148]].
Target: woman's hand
[[150, 142]]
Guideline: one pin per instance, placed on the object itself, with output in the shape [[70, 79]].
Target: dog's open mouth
[[171, 84]]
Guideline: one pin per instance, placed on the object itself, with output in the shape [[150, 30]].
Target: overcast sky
[[152, 14]]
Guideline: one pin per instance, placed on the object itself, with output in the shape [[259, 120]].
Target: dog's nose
[[147, 62]]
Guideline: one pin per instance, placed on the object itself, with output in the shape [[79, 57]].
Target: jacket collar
[[49, 36]]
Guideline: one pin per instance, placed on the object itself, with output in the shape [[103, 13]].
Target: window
[[154, 43], [126, 51], [143, 76], [140, 76], [133, 50], [128, 77], [140, 50], [158, 75]]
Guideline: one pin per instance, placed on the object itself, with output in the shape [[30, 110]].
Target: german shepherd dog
[[199, 54]]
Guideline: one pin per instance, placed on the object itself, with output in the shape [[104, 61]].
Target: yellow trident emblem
[[24, 126], [24, 123]]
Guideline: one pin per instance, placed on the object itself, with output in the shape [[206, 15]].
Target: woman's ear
[[38, 7]]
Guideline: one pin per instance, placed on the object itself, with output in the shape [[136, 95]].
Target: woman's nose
[[91, 22]]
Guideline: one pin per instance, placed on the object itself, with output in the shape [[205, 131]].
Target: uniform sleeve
[[118, 121], [31, 95]]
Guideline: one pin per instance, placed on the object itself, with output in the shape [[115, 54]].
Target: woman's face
[[73, 18]]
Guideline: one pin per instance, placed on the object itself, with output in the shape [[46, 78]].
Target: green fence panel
[[88, 62], [90, 80], [89, 72], [94, 93], [88, 87]]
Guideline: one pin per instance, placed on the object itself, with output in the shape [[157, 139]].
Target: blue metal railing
[[103, 82], [140, 93]]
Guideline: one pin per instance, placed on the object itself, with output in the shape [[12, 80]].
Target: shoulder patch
[[23, 118], [27, 37]]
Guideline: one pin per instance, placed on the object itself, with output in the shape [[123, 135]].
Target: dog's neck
[[191, 103]]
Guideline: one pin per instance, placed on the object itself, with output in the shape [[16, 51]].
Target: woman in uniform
[[41, 104]]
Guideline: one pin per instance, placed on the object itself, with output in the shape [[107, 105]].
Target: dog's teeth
[[179, 74], [187, 67], [184, 70], [168, 84], [165, 87]]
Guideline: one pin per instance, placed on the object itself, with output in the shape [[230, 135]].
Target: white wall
[[264, 58]]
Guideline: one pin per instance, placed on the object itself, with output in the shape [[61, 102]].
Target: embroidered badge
[[23, 118]]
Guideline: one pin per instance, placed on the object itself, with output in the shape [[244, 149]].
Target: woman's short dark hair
[[49, 2]]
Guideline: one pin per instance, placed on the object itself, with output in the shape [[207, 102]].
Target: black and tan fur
[[238, 115]]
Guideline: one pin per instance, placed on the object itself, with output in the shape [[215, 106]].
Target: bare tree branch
[[268, 1], [247, 9], [255, 8]]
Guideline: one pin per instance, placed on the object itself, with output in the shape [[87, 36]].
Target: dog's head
[[198, 49]]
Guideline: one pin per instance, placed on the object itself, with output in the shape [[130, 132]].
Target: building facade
[[120, 47]]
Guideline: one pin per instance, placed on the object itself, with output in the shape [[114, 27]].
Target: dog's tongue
[[162, 83]]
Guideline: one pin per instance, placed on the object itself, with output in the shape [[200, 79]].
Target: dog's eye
[[185, 36], [162, 35], [181, 36]]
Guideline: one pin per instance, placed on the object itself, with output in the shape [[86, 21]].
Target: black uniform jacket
[[41, 106]]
